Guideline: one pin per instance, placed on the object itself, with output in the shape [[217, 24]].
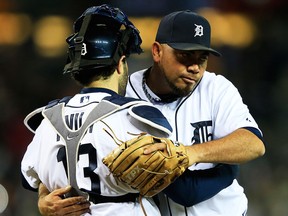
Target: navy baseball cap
[[185, 30]]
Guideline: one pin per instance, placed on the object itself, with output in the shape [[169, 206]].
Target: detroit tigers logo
[[84, 49], [202, 132], [198, 30]]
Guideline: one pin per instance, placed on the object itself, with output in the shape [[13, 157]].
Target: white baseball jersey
[[45, 158], [213, 110]]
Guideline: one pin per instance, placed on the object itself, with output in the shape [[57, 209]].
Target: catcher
[[70, 134]]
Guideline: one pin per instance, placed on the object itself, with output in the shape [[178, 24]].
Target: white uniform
[[213, 110], [45, 158]]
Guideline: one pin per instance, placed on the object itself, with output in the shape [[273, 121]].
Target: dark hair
[[89, 75]]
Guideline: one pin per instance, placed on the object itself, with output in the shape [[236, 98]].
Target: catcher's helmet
[[102, 34]]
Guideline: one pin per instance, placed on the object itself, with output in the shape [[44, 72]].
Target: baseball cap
[[185, 30]]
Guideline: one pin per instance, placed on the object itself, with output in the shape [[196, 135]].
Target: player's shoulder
[[34, 118], [140, 110], [148, 115], [122, 101], [213, 77], [214, 81], [142, 113], [136, 77]]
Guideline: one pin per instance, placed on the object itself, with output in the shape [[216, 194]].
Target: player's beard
[[123, 82], [179, 92]]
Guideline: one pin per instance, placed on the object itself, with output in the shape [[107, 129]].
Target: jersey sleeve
[[229, 110], [196, 186], [29, 164]]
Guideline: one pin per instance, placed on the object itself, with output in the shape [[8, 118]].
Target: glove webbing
[[73, 138]]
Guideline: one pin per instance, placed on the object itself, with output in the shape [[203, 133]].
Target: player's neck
[[156, 82], [159, 97], [110, 83]]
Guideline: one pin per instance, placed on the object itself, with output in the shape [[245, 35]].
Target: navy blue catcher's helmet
[[102, 34]]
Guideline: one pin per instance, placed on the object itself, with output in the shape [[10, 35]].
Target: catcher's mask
[[102, 34]]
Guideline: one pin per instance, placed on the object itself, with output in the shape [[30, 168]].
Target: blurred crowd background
[[251, 34]]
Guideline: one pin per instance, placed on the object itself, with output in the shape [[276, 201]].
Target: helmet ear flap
[[70, 52]]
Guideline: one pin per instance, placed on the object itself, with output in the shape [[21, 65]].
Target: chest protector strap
[[73, 138]]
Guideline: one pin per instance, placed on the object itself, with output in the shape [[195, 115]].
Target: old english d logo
[[198, 30], [202, 132], [84, 49]]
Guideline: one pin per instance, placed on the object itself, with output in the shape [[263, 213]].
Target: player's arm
[[240, 146], [193, 187], [52, 203]]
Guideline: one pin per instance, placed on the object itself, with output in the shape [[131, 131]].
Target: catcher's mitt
[[151, 173]]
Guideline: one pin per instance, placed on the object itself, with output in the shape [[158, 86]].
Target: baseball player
[[75, 133], [205, 111]]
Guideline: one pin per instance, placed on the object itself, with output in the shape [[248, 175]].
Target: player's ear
[[156, 51], [121, 65]]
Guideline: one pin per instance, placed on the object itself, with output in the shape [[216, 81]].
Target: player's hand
[[192, 154], [156, 147], [52, 204]]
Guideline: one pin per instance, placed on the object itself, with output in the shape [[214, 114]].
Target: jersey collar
[[95, 90]]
